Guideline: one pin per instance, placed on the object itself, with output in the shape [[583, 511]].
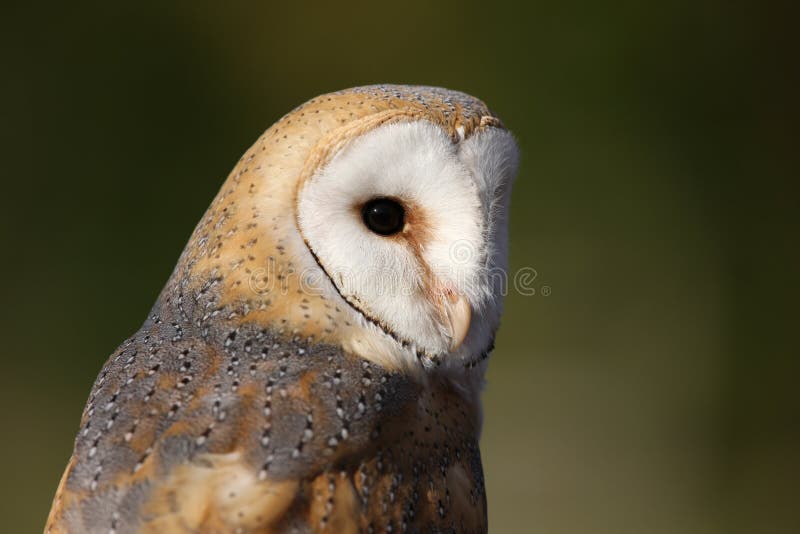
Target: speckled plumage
[[246, 404]]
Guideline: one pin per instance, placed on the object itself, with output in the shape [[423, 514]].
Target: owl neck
[[192, 307]]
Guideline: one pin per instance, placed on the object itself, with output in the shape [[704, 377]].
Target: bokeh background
[[653, 390]]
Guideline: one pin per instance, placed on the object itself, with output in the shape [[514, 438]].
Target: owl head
[[373, 218]]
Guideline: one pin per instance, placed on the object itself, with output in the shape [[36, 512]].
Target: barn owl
[[315, 361]]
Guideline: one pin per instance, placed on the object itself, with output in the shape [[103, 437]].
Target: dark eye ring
[[384, 216]]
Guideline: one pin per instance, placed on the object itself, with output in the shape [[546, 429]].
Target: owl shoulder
[[219, 424]]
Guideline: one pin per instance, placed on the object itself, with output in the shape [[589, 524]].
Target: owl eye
[[383, 216]]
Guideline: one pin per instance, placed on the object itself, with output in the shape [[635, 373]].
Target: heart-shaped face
[[408, 224]]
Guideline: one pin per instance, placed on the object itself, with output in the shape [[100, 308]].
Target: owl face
[[373, 219], [407, 225]]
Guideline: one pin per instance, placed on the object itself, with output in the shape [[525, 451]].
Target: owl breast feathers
[[315, 361]]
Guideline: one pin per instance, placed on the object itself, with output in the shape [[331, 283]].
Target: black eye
[[383, 216]]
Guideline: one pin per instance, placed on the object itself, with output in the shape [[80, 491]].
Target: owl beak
[[457, 315]]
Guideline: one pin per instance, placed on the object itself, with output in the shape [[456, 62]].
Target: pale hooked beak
[[457, 316]]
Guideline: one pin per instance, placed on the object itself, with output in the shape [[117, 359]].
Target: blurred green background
[[652, 391]]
